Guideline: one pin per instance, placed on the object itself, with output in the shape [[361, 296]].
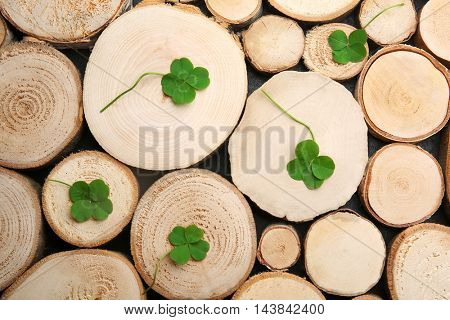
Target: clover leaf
[[187, 243], [309, 167]]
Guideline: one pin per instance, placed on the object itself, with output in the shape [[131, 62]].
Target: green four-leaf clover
[[348, 49], [187, 243]]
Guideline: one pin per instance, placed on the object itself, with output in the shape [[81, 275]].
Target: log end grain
[[419, 262], [88, 166], [318, 54], [277, 286], [21, 235], [235, 12], [5, 34]]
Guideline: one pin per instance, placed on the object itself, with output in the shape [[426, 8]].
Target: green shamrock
[[187, 243], [309, 166]]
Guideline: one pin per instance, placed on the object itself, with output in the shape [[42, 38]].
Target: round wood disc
[[203, 198], [273, 44], [88, 166], [394, 93], [314, 10], [86, 274], [368, 297], [237, 12], [5, 34], [344, 253], [62, 21], [265, 141], [277, 286], [433, 33], [418, 265], [20, 225], [40, 104], [394, 26], [144, 128], [318, 54], [403, 185]]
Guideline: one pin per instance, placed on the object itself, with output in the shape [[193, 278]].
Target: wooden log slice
[[418, 265], [444, 157], [368, 296], [318, 54], [265, 142], [433, 33], [403, 185], [5, 34], [62, 22], [194, 196], [344, 253], [20, 225], [394, 93], [88, 166], [277, 286], [235, 12], [145, 129], [40, 105], [279, 247], [273, 44], [394, 26], [87, 274], [314, 10]]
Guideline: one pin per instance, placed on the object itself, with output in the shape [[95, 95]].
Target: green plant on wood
[[308, 166], [180, 84], [352, 48], [89, 200]]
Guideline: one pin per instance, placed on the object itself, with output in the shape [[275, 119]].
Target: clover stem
[[57, 181], [287, 113], [131, 88], [381, 12], [158, 264]]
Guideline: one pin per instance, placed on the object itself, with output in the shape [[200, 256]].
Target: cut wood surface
[[394, 26], [88, 166], [314, 10], [265, 141], [40, 105], [203, 198], [344, 253], [86, 274], [394, 93], [403, 185], [235, 12], [21, 238], [277, 286], [418, 266], [63, 22], [433, 33], [318, 54], [279, 247], [444, 157], [144, 128], [368, 297], [273, 43], [5, 33]]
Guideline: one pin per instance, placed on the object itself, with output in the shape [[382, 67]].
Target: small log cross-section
[[88, 166], [314, 10], [5, 33], [394, 92], [444, 157], [318, 54], [40, 105], [63, 22], [145, 128], [277, 286], [418, 266], [279, 247], [344, 253], [394, 26], [433, 33], [21, 238], [265, 140], [203, 198], [273, 44], [235, 12], [87, 274], [403, 185]]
